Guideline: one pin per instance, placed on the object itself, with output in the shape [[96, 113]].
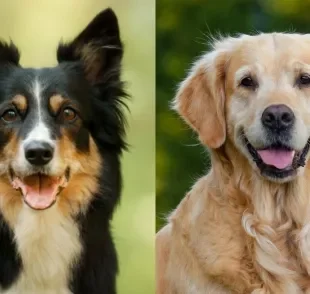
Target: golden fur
[[235, 231]]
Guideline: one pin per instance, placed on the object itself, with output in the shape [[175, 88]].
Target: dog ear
[[200, 99], [9, 53], [98, 47]]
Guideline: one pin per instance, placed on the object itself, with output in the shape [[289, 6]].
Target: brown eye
[[304, 80], [247, 82], [69, 114], [9, 116]]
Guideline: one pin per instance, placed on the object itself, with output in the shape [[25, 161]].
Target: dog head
[[54, 122], [255, 92]]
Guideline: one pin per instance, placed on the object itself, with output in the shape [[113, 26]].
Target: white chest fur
[[48, 243]]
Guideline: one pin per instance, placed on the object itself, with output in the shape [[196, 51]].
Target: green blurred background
[[36, 28], [183, 29]]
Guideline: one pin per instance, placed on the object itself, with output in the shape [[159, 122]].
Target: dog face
[[254, 91], [54, 121]]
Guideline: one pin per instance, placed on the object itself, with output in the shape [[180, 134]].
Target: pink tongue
[[278, 158], [39, 191]]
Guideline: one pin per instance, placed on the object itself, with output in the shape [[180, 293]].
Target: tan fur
[[235, 231], [84, 181], [56, 102], [9, 151], [203, 91], [20, 102]]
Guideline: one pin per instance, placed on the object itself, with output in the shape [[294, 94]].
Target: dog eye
[[9, 116], [69, 114], [304, 80], [247, 82]]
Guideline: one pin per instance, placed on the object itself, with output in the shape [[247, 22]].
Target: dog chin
[[279, 177], [278, 163]]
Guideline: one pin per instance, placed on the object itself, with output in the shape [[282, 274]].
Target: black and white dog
[[61, 138]]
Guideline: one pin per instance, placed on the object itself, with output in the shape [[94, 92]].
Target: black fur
[[9, 53], [10, 262], [89, 72]]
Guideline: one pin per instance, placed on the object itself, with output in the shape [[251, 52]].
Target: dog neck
[[277, 217]]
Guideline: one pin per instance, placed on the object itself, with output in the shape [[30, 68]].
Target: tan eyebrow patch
[[55, 102], [20, 102]]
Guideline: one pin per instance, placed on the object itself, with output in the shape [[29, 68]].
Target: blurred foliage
[[36, 27], [183, 31]]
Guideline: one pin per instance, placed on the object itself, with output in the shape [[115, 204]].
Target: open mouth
[[277, 160], [39, 190]]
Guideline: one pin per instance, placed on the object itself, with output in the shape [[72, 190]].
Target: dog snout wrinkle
[[278, 117], [39, 153]]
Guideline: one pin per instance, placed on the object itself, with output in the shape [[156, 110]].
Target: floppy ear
[[98, 47], [200, 99], [9, 54]]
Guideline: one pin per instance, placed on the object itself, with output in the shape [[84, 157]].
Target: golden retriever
[[245, 226]]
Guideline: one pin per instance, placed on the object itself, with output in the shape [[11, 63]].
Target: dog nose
[[39, 153], [278, 117]]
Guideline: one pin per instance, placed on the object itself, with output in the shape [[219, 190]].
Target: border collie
[[61, 137]]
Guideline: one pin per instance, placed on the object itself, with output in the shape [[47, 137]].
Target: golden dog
[[245, 226]]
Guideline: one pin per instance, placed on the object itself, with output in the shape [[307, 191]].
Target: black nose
[[39, 153], [278, 117]]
